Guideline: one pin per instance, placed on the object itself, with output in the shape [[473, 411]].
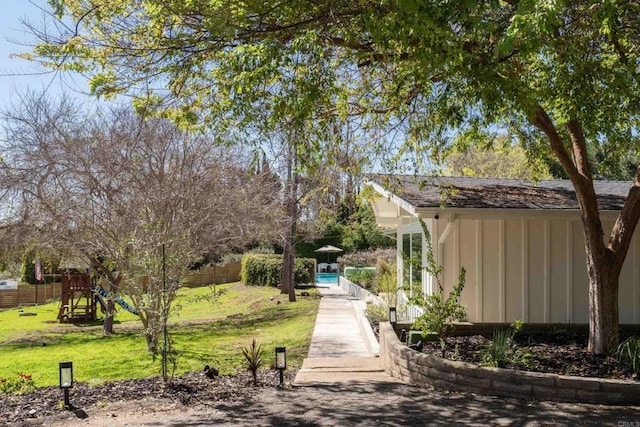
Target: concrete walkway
[[343, 348]]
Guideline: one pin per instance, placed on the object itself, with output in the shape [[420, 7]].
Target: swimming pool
[[326, 278]]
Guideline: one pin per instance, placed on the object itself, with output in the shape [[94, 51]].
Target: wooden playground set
[[77, 303], [80, 296]]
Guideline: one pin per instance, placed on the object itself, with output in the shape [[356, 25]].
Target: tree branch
[[625, 225], [543, 122], [579, 148], [580, 175]]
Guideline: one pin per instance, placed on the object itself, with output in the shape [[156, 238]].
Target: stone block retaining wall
[[420, 369]]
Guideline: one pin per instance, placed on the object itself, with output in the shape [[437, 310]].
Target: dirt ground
[[381, 404]]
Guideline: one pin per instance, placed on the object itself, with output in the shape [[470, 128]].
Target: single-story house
[[521, 244]]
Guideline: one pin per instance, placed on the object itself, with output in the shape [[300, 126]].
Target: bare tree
[[118, 188]]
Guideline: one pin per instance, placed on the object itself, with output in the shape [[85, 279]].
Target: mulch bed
[[551, 354], [193, 388], [546, 354]]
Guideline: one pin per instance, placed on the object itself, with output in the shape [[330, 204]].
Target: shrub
[[362, 277], [502, 348], [261, 270], [304, 270], [21, 384], [376, 313], [628, 354], [438, 312], [497, 351], [386, 282], [253, 354], [266, 270], [264, 250], [368, 258], [230, 258]]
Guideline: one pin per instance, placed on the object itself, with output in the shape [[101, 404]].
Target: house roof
[[486, 193]]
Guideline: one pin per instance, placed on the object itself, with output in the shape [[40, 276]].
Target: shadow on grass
[[66, 338], [269, 316], [228, 335], [86, 332], [89, 324]]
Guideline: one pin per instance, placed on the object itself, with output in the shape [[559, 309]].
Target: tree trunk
[[107, 326], [150, 335], [152, 342], [286, 269], [604, 261], [603, 271], [288, 256], [604, 264], [291, 266], [603, 305], [291, 195], [288, 283], [112, 281]]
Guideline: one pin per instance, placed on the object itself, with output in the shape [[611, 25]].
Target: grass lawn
[[204, 330]]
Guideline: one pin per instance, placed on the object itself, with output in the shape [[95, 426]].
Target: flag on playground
[[38, 270]]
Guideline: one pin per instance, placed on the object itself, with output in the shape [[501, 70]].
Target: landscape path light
[[66, 381], [393, 316], [281, 362]]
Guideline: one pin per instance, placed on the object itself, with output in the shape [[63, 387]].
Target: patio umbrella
[[328, 249]]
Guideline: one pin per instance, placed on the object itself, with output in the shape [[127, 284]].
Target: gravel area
[[191, 389]]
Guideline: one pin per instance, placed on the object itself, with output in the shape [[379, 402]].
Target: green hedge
[[266, 270], [363, 276]]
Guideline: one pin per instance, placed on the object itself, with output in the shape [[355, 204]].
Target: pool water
[[326, 278]]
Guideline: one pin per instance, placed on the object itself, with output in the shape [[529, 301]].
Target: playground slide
[[122, 303], [102, 293]]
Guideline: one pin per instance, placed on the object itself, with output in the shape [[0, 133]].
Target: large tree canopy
[[562, 76]]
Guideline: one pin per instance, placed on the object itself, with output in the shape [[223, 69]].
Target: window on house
[[416, 256], [406, 259], [412, 261]]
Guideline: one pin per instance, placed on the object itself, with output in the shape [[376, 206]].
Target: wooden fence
[[29, 295], [214, 274], [26, 295]]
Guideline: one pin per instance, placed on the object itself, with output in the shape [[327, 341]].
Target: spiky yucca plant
[[253, 354]]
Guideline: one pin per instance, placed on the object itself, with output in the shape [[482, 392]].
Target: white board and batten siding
[[529, 268]]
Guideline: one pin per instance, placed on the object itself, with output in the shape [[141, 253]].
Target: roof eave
[[394, 198], [503, 213]]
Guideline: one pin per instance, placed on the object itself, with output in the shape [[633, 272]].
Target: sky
[[18, 75]]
